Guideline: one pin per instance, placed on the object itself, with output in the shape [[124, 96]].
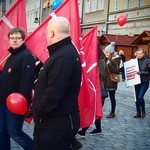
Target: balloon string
[[116, 38]]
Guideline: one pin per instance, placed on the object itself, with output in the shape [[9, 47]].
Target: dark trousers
[[113, 100], [11, 126], [140, 91], [122, 73], [53, 139]]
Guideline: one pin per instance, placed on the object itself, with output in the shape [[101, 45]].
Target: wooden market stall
[[143, 41], [123, 42]]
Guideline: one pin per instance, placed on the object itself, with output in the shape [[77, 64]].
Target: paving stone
[[120, 133]]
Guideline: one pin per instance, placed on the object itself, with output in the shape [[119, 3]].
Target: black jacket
[[18, 74], [144, 64], [55, 103]]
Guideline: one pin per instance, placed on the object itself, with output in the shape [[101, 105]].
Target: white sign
[[131, 68]]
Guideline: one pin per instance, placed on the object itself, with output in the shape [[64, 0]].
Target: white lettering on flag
[[92, 66], [91, 86]]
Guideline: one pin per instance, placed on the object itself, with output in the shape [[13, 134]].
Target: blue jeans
[[140, 91], [11, 127]]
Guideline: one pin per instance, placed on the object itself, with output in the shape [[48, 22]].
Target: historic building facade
[[137, 13], [103, 13]]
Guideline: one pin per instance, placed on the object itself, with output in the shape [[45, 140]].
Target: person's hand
[[139, 73], [108, 61]]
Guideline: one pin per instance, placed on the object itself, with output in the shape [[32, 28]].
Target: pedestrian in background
[[55, 106], [112, 67], [123, 59], [140, 89], [17, 77]]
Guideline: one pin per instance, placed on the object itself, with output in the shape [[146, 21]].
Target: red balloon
[[17, 103], [122, 20]]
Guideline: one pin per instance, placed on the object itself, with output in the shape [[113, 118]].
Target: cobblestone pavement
[[120, 133]]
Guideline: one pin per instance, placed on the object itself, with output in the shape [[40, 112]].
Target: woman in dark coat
[[112, 67]]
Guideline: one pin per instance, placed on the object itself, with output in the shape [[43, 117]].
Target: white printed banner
[[131, 68]]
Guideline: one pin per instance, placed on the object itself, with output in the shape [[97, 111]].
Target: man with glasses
[[17, 77]]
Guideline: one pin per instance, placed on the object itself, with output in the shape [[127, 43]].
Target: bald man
[[55, 105]]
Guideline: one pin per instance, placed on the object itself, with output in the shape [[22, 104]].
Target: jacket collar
[[52, 48], [17, 50], [144, 57]]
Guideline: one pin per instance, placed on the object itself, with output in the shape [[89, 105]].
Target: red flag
[[15, 17], [37, 41], [90, 94]]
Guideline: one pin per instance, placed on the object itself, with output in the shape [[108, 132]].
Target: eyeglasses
[[15, 38]]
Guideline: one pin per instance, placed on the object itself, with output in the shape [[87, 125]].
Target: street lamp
[[39, 16]]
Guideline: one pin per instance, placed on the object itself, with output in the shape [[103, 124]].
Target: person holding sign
[[140, 89]]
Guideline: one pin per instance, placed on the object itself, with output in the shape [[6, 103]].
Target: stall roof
[[143, 38], [118, 39]]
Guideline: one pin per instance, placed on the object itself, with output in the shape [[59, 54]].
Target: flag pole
[[5, 59], [134, 93]]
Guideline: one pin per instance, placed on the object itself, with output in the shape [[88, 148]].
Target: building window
[[87, 6], [94, 6], [128, 4], [30, 20], [116, 6], [100, 4], [36, 14], [80, 9], [28, 17], [139, 3]]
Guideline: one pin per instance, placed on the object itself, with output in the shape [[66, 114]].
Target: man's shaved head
[[58, 28]]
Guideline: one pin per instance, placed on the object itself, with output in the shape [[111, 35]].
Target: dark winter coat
[[144, 64], [18, 74], [102, 66], [55, 103], [113, 67], [123, 58]]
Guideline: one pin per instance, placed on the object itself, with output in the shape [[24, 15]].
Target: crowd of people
[[57, 84]]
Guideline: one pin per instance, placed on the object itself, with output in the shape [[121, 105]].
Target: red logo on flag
[[9, 70]]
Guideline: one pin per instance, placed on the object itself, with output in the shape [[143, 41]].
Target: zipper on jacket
[[71, 121]]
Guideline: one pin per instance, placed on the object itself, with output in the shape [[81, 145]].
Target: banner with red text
[[131, 68]]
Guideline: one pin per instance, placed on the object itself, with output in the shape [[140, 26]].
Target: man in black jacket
[[17, 77], [55, 105]]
